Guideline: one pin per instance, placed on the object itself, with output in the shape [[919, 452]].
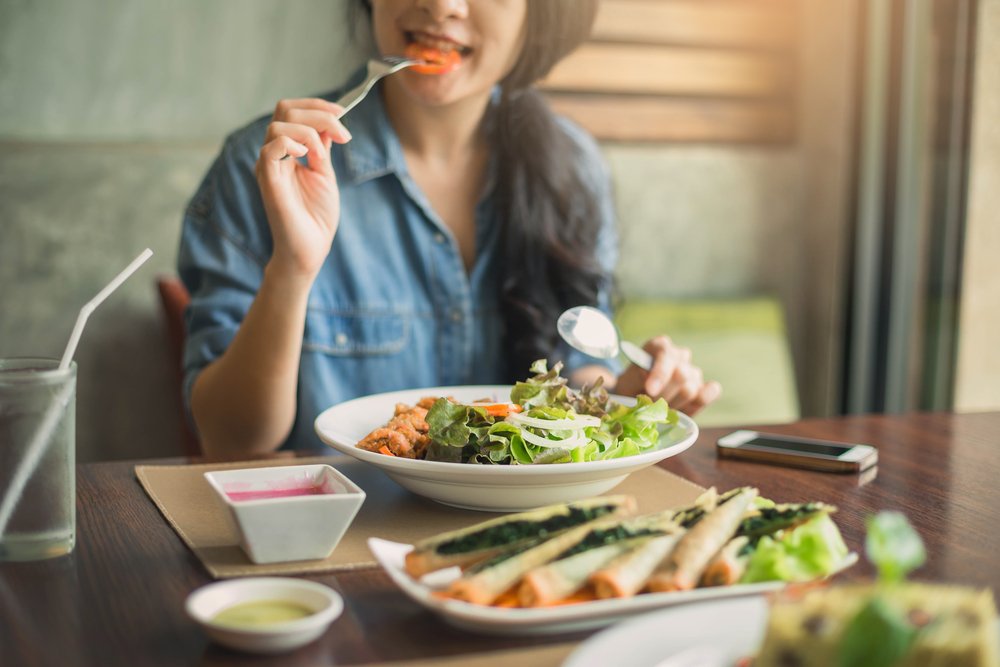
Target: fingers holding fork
[[301, 120]]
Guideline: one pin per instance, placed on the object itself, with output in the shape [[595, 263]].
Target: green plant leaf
[[893, 546], [878, 636]]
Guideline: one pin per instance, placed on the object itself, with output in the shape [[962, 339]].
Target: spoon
[[592, 332]]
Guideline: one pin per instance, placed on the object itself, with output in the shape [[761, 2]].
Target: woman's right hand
[[302, 202]]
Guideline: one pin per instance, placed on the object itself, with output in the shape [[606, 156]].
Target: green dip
[[261, 613]]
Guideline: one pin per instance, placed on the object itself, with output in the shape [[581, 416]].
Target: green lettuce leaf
[[465, 430], [810, 551], [545, 388], [640, 423], [449, 423]]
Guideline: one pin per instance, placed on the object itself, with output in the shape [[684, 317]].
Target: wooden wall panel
[[719, 23], [677, 120], [684, 71], [668, 70]]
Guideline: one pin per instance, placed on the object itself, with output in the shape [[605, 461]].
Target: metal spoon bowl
[[592, 332]]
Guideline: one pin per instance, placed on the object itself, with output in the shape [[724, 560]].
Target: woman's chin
[[433, 90]]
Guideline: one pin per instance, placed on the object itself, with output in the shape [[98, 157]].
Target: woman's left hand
[[672, 377]]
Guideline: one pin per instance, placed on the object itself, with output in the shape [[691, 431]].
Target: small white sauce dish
[[288, 513], [204, 604]]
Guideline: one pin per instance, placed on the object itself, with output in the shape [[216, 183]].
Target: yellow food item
[[955, 626], [261, 613]]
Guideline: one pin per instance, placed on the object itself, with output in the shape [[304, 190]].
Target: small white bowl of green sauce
[[264, 614]]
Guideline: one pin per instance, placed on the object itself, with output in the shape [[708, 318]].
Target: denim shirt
[[393, 306]]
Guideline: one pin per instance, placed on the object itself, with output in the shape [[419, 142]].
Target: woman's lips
[[439, 43]]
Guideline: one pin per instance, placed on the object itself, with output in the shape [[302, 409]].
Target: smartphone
[[789, 450]]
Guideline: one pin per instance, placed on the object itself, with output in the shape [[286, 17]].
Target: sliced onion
[[575, 424], [577, 440]]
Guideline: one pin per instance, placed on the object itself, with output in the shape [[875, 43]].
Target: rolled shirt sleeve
[[225, 243]]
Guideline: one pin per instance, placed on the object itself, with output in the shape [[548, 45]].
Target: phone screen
[[817, 448]]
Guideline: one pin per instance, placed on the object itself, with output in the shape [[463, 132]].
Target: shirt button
[[456, 316], [439, 238], [341, 339]]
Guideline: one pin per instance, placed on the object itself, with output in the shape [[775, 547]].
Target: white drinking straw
[[51, 418]]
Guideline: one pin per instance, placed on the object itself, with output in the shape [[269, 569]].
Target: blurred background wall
[[978, 373], [111, 111]]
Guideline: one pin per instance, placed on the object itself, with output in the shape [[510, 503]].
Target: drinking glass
[[43, 522]]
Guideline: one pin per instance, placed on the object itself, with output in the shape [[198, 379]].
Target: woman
[[435, 247]]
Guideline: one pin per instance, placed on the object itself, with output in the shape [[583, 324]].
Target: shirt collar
[[374, 149]]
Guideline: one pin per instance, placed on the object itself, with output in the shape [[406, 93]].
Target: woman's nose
[[445, 9]]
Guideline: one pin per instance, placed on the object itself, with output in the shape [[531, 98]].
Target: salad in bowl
[[544, 422], [532, 444]]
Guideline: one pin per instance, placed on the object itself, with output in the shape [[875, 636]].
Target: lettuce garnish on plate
[[812, 550], [548, 423]]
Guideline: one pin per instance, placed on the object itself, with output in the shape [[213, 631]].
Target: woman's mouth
[[436, 43], [439, 55]]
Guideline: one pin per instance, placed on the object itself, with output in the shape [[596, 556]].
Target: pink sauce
[[263, 494]]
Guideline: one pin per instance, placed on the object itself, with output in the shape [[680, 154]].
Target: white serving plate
[[498, 488], [544, 620], [719, 632]]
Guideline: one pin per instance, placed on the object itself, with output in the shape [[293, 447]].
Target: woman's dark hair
[[550, 215]]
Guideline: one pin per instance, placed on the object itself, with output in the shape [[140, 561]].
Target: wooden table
[[118, 599]]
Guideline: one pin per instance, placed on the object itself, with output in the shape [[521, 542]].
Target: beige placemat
[[536, 656], [389, 511]]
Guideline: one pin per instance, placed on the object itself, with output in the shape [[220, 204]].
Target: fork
[[377, 69]]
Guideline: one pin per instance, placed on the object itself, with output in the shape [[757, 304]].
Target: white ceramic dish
[[545, 620], [719, 632], [486, 487], [727, 629], [297, 527], [206, 602]]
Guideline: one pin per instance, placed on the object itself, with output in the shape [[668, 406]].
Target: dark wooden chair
[[174, 299]]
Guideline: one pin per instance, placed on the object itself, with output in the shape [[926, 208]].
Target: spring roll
[[704, 504], [559, 579], [568, 572], [627, 574], [727, 566], [769, 520], [486, 540], [484, 582], [683, 568]]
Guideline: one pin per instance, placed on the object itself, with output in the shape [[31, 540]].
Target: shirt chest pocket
[[357, 332]]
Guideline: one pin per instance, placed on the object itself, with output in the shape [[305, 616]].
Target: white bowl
[[498, 488], [206, 602], [297, 527]]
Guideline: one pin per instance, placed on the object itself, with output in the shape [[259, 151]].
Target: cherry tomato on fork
[[436, 61]]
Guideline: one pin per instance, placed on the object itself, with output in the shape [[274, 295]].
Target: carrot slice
[[507, 599], [497, 409], [436, 61], [385, 450]]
